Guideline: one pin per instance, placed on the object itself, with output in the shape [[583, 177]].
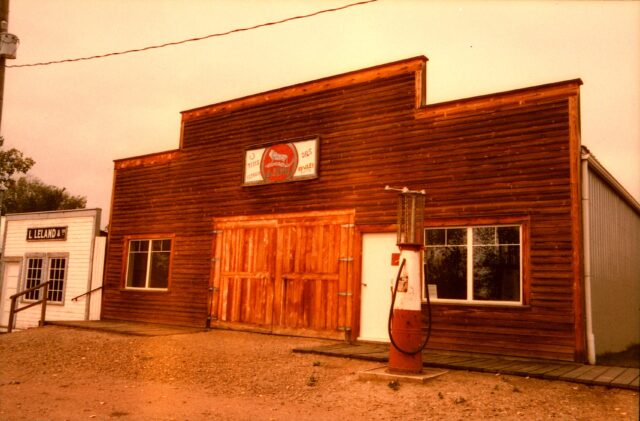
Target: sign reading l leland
[[281, 162], [47, 234]]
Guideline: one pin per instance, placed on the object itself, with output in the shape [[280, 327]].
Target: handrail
[[43, 300], [86, 293]]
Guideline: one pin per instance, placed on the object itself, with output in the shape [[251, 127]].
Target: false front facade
[[272, 214]]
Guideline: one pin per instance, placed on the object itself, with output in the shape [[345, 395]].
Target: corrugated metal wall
[[615, 268]]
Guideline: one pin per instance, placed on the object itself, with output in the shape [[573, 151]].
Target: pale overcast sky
[[74, 119]]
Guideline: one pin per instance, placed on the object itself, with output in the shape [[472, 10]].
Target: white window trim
[[46, 257], [148, 269], [469, 300]]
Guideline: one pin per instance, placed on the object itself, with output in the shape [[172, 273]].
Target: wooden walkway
[[618, 377], [127, 328]]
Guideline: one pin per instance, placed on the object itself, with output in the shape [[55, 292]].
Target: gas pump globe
[[405, 314], [410, 218]]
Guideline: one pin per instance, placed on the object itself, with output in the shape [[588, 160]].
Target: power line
[[168, 44]]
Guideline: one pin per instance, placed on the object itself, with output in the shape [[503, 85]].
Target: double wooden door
[[284, 273]]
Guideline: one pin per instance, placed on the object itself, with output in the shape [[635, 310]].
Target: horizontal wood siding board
[[504, 100], [508, 159], [483, 332], [529, 315], [413, 66], [461, 343], [182, 211], [320, 110]]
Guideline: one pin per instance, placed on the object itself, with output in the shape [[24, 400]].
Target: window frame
[[126, 255], [469, 224], [45, 273]]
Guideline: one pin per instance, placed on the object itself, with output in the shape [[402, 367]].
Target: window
[[43, 269], [34, 277], [148, 265], [474, 264]]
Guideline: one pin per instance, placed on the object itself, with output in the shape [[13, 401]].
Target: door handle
[[363, 284]]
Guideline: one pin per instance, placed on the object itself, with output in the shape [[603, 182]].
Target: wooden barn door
[[244, 273], [313, 286], [285, 273]]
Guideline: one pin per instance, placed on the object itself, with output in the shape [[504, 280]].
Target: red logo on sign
[[279, 162]]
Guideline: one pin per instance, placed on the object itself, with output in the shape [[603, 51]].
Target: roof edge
[[409, 65], [95, 213], [609, 179], [147, 159], [518, 96]]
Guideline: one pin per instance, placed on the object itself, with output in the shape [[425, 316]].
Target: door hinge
[[345, 259], [348, 225], [344, 328], [214, 289], [216, 232], [345, 294], [215, 259]]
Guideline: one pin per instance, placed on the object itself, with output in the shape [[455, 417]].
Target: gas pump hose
[[393, 300]]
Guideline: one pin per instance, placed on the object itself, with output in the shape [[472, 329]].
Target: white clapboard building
[[65, 247]]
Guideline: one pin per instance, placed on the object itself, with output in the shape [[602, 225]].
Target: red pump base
[[406, 328]]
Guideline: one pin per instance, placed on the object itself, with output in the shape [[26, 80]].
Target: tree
[[12, 161], [29, 194]]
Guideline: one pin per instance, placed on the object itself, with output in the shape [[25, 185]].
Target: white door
[[9, 287], [378, 274]]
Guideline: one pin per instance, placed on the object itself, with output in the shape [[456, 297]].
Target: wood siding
[[507, 155], [81, 271]]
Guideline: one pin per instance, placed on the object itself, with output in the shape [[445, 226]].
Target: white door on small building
[[378, 274], [10, 281]]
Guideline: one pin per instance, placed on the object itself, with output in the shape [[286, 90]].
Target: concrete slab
[[382, 373]]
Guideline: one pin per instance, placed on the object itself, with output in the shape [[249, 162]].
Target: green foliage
[[29, 194], [12, 161]]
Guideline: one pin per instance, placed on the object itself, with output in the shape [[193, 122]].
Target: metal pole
[[4, 27]]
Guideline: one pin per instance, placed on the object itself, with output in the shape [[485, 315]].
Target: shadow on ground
[[627, 358]]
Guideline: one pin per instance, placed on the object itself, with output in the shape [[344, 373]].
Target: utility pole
[[4, 27]]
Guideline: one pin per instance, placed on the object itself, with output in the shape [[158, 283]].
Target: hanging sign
[[281, 162], [47, 234]]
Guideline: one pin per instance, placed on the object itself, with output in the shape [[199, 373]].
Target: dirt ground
[[56, 373]]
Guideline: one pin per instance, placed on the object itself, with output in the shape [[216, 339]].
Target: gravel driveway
[[57, 373]]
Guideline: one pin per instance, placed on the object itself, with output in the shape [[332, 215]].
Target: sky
[[74, 119]]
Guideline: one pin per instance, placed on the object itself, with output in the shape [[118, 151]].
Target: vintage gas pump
[[405, 314]]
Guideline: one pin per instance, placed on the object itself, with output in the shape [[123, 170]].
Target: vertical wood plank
[[576, 227], [350, 279], [215, 296], [281, 254]]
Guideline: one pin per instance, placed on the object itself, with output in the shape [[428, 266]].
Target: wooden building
[[272, 214], [65, 247]]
